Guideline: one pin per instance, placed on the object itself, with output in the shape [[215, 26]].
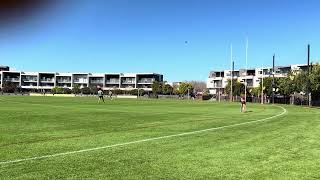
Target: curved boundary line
[[140, 141]]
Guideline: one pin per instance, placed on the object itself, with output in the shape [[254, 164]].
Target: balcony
[[46, 86], [12, 79], [127, 87], [128, 82], [115, 86], [29, 79], [80, 81], [113, 81], [47, 80], [63, 80], [144, 86], [250, 84], [96, 81], [146, 81], [64, 85], [217, 84]]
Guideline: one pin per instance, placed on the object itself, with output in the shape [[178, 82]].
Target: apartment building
[[4, 68], [218, 80], [107, 81]]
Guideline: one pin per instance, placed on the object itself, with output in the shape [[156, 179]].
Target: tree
[[67, 91], [300, 82], [267, 85], [76, 89], [86, 90], [117, 91], [133, 92], [315, 79], [54, 90], [167, 89], [9, 87], [57, 90], [237, 88], [184, 88], [315, 82], [286, 85], [141, 92], [256, 92], [156, 87], [136, 91], [199, 86], [175, 88], [93, 89]]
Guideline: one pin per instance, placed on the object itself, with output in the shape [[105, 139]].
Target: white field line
[[140, 141]]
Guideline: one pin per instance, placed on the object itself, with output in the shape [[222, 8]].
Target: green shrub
[[57, 90], [86, 90], [67, 91], [206, 96]]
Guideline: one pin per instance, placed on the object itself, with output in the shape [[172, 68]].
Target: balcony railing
[[28, 85], [127, 86], [12, 79], [64, 86], [47, 80], [30, 79], [112, 81], [96, 81], [128, 82], [217, 85], [46, 86], [147, 81], [63, 80], [80, 81]]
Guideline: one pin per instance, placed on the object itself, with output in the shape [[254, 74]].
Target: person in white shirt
[[100, 95]]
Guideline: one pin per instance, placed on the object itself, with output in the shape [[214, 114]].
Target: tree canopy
[[184, 88], [9, 87], [156, 87], [237, 88], [76, 89]]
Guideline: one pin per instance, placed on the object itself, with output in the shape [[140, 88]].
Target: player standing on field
[[110, 95], [243, 104], [100, 95]]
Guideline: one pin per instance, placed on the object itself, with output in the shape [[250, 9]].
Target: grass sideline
[[284, 147]]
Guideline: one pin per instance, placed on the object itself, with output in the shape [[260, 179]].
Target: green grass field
[[148, 140]]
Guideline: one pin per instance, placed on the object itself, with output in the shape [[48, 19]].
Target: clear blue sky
[[150, 35]]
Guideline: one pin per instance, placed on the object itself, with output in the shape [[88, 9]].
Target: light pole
[[262, 87], [231, 74], [308, 80], [245, 84], [273, 88], [231, 94]]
